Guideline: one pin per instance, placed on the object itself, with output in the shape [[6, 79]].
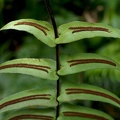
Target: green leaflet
[[29, 98], [72, 112], [83, 62], [70, 92], [69, 32], [42, 30], [78, 30], [32, 114], [43, 68]]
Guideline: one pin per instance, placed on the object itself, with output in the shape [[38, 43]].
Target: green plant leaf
[[32, 114], [70, 92], [43, 68], [73, 112], [78, 30], [42, 30], [86, 61], [29, 98]]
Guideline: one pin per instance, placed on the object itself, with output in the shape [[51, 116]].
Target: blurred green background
[[16, 44]]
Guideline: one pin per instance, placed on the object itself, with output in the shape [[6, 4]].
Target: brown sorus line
[[86, 115], [38, 67], [28, 116], [40, 27], [80, 29], [79, 91], [26, 98], [84, 61]]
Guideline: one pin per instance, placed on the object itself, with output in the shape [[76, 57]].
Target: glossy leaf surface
[[78, 30], [83, 62], [70, 92], [42, 30], [32, 114], [72, 112], [43, 68], [29, 98]]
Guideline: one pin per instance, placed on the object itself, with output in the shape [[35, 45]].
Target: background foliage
[[15, 44]]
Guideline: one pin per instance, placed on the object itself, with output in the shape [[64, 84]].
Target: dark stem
[[52, 18], [57, 48]]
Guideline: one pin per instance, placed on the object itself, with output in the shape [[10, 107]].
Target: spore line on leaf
[[70, 91], [85, 115], [40, 27], [24, 65], [26, 98], [28, 116], [81, 29], [86, 61]]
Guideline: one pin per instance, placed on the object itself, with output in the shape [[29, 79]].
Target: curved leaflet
[[32, 114], [72, 92], [68, 112], [84, 62], [35, 97], [43, 68], [42, 30], [78, 30]]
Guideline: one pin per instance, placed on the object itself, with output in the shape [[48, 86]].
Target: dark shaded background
[[16, 44]]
